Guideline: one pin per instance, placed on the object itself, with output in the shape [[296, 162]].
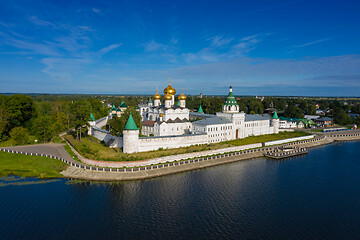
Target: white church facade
[[168, 125]]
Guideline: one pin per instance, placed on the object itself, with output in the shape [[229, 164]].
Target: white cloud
[[96, 10], [153, 46], [313, 42], [35, 20], [218, 41], [110, 48], [62, 68]]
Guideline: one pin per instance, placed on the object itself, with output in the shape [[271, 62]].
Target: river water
[[314, 196]]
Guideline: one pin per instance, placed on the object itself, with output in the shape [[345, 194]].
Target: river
[[313, 196]]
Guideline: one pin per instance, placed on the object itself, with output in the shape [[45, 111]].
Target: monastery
[[170, 125]]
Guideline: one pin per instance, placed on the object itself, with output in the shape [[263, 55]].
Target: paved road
[[54, 149]]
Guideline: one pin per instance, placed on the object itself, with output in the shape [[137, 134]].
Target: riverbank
[[172, 168], [30, 166], [168, 165]]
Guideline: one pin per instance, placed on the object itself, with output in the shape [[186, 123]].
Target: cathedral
[[170, 119], [166, 119]]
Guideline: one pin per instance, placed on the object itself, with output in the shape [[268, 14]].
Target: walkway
[[50, 149]]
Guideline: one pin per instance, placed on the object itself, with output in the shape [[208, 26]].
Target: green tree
[[357, 121], [43, 108], [20, 135], [308, 107], [97, 108], [212, 105], [255, 105], [4, 115], [340, 116], [355, 108], [80, 115], [62, 120], [20, 108], [42, 128], [117, 124], [293, 111]]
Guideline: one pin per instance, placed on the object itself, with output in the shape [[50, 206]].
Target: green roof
[[123, 105], [200, 110], [178, 103], [130, 124], [118, 110], [230, 100], [275, 116], [113, 108], [92, 117]]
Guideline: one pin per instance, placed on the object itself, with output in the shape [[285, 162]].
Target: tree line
[[22, 117]]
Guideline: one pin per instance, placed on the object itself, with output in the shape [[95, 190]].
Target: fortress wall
[[105, 136], [257, 128], [101, 122], [154, 143]]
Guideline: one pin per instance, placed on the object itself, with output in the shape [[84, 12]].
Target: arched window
[[229, 108]]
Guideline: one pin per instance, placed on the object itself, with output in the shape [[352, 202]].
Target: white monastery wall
[[154, 143], [171, 129], [220, 132], [256, 128], [105, 136], [101, 122]]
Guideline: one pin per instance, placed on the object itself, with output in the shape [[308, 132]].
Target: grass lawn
[[91, 148], [267, 138], [30, 166]]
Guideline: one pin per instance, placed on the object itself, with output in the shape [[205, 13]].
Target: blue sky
[[303, 47]]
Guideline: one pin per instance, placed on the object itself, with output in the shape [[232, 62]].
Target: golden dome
[[168, 97], [161, 115], [170, 90], [157, 95], [182, 96]]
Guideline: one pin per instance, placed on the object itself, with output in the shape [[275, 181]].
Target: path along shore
[[81, 171]]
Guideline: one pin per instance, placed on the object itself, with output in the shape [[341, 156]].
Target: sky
[[261, 47]]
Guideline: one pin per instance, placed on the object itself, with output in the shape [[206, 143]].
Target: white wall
[[256, 128], [288, 140], [154, 143], [105, 136]]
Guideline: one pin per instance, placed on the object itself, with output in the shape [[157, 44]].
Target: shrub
[[20, 135]]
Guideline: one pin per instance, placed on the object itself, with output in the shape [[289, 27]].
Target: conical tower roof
[[113, 108], [200, 110], [275, 116], [130, 124], [123, 105], [92, 117]]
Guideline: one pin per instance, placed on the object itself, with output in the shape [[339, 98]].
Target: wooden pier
[[281, 153]]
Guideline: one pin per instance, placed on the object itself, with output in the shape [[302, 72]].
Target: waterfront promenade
[[78, 170]]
